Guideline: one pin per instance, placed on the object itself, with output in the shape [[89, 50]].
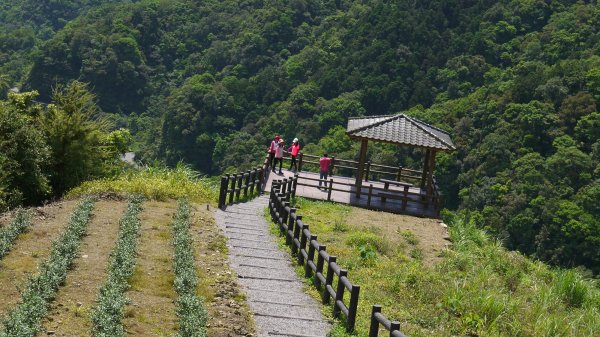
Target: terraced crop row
[[190, 308], [24, 320], [9, 233], [107, 315]]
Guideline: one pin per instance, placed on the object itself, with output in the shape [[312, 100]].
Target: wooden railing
[[243, 184], [377, 318], [304, 246], [340, 166]]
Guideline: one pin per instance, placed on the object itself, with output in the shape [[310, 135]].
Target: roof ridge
[[384, 120], [418, 124]]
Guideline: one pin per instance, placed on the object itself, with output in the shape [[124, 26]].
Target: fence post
[[223, 191], [405, 200], [374, 328], [331, 166], [351, 320], [339, 294], [394, 326], [300, 161], [246, 183], [295, 185], [310, 256], [368, 170], [290, 227], [320, 261], [328, 279], [232, 192], [296, 233], [239, 178], [370, 194], [303, 239], [330, 188], [285, 217], [399, 173]]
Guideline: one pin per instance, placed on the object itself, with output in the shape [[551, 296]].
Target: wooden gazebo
[[404, 131]]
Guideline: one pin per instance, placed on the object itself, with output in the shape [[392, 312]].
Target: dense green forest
[[515, 82]]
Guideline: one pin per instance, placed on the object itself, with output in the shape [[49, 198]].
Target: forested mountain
[[516, 83]]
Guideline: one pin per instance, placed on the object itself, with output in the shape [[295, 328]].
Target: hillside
[[516, 82]]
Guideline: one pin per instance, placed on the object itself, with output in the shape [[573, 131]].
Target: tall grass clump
[[9, 234], [190, 308], [24, 319], [108, 313], [156, 183]]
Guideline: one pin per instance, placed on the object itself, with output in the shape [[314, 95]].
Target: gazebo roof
[[400, 129]]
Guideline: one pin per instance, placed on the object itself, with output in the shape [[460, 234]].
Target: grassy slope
[[476, 288]]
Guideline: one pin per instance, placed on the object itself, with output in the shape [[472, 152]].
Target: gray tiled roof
[[400, 129]]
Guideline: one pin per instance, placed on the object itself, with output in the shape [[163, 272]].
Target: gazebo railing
[[346, 167]]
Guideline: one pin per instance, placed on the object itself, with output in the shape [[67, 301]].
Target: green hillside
[[516, 83]]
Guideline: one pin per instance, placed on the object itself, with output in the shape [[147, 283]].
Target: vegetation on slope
[[25, 319], [475, 288], [9, 233], [516, 82], [108, 313]]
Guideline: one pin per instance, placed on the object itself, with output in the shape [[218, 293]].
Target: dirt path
[[152, 309], [228, 312], [30, 249], [69, 313]]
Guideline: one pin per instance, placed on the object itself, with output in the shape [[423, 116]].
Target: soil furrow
[[30, 250], [69, 313], [152, 309]]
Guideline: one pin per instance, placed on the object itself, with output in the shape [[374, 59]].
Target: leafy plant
[[24, 320], [108, 313], [10, 233], [190, 307]]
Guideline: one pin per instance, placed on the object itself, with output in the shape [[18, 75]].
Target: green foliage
[[9, 233], [190, 307], [108, 313], [153, 182], [23, 154], [25, 319]]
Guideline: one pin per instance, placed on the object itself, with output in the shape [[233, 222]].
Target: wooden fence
[[377, 318], [304, 246], [243, 184]]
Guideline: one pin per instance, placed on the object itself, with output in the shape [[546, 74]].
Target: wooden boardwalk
[[346, 194]]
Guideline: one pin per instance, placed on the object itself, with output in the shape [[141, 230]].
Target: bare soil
[[30, 249], [152, 308], [431, 235], [69, 313], [228, 311]]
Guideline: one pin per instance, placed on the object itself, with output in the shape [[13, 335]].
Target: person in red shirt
[[271, 151], [324, 162], [293, 150]]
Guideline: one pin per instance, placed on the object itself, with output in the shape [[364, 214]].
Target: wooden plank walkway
[[274, 291], [347, 196]]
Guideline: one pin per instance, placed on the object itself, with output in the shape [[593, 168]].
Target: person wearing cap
[[271, 151], [278, 155], [293, 150]]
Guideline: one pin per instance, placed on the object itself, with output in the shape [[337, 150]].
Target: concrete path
[[274, 291]]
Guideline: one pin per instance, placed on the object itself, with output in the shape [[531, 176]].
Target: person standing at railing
[[324, 163], [278, 155], [293, 150], [271, 151]]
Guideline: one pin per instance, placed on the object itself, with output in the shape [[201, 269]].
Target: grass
[[478, 288], [154, 183]]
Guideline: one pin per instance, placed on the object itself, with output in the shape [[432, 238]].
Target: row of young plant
[[108, 313], [9, 234], [25, 319], [190, 307]]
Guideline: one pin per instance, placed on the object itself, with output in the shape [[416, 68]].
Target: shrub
[[9, 233]]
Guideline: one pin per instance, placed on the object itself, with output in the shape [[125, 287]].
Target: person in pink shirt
[[271, 151], [324, 162], [293, 150]]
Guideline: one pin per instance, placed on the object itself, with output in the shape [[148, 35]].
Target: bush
[[9, 233]]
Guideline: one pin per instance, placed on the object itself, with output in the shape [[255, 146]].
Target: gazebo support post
[[430, 175], [361, 165], [425, 168]]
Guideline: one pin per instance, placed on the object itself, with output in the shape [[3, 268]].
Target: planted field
[[68, 270]]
